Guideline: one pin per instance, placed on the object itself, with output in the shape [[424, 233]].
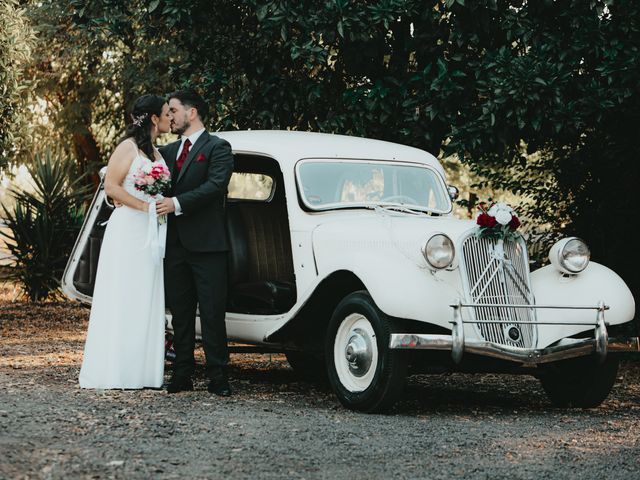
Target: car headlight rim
[[570, 255], [439, 251]]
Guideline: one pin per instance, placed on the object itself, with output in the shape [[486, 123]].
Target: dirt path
[[275, 426]]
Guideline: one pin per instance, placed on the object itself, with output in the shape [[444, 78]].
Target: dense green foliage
[[567, 91], [16, 40], [44, 223], [539, 97]]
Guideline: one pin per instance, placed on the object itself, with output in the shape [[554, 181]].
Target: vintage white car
[[345, 255]]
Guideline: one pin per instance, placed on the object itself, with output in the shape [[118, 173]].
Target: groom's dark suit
[[195, 266]]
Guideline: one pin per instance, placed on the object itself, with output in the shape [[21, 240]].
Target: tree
[[93, 60], [562, 84], [540, 97], [16, 42]]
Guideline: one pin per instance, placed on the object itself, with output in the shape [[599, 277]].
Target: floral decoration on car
[[499, 221]]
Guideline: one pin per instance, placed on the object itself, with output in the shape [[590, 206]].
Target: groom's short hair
[[191, 98]]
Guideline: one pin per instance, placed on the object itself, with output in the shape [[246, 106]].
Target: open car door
[[79, 275]]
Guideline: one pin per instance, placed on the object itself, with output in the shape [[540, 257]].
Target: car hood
[[386, 231]]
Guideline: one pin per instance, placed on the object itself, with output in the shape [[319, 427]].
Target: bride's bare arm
[[117, 170]]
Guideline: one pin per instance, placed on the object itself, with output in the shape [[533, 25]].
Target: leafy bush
[[44, 223]]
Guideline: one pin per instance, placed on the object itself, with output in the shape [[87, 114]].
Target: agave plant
[[44, 222]]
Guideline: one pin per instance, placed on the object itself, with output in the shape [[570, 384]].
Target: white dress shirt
[[193, 138]]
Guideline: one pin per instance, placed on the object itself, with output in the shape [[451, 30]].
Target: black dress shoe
[[219, 387], [180, 385]]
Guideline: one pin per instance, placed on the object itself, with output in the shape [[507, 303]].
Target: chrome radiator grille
[[497, 272]]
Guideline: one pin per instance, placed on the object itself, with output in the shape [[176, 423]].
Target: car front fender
[[401, 287], [595, 284]]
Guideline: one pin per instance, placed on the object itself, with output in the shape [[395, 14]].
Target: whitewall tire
[[364, 373]]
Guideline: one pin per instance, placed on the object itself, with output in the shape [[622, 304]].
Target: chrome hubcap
[[355, 352], [358, 353]]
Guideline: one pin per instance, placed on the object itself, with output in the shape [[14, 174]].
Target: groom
[[195, 265]]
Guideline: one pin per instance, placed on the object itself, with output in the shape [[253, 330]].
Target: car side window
[[251, 186]]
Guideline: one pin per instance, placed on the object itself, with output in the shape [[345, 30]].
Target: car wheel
[[307, 366], [363, 371], [579, 382]]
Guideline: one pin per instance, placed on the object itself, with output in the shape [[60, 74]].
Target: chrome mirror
[[453, 192]]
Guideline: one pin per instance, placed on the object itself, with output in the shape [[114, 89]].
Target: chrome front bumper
[[600, 345]]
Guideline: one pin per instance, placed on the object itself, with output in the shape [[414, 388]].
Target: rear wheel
[[579, 382], [363, 371]]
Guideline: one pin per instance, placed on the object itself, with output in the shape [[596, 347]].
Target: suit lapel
[[169, 154], [200, 143]]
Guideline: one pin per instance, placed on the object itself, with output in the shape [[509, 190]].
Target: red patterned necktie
[[183, 154]]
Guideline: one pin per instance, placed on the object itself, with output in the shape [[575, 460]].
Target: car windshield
[[330, 184]]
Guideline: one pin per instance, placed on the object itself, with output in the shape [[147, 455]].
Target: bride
[[125, 339]]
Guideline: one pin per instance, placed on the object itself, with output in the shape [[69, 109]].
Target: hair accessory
[[137, 121]]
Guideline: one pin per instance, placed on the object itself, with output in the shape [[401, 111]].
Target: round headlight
[[570, 255], [439, 251]]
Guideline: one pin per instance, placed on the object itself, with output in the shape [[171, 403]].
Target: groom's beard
[[179, 130]]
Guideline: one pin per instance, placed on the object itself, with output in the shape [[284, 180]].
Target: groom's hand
[[165, 206]]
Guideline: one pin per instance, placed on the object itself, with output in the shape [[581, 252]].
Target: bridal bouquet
[[154, 180], [498, 222]]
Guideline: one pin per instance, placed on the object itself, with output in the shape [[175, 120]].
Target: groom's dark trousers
[[195, 265], [197, 278]]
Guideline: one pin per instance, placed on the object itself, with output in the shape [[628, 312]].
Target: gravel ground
[[276, 426]]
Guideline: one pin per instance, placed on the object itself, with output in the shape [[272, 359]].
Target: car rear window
[[251, 186]]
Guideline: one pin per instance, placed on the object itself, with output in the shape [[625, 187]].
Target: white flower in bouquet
[[500, 206], [503, 217], [502, 213]]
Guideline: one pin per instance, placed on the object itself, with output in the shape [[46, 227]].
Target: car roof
[[291, 146]]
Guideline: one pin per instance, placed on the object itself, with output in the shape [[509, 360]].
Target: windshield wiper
[[403, 209]]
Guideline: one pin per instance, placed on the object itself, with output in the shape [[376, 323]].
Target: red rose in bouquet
[[486, 220]]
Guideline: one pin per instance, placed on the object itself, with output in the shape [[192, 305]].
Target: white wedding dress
[[125, 339]]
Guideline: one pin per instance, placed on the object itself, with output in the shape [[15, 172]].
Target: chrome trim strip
[[601, 335], [458, 346], [457, 335], [412, 341], [560, 307], [509, 322]]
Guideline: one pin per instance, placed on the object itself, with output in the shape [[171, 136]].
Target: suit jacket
[[201, 189]]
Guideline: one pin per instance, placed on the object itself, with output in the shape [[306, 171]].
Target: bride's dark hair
[[140, 127]]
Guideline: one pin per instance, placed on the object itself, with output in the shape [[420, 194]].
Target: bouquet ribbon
[[156, 235]]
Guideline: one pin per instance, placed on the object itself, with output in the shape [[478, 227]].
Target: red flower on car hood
[[486, 220]]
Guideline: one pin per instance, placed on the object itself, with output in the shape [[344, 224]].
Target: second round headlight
[[570, 255], [439, 251]]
